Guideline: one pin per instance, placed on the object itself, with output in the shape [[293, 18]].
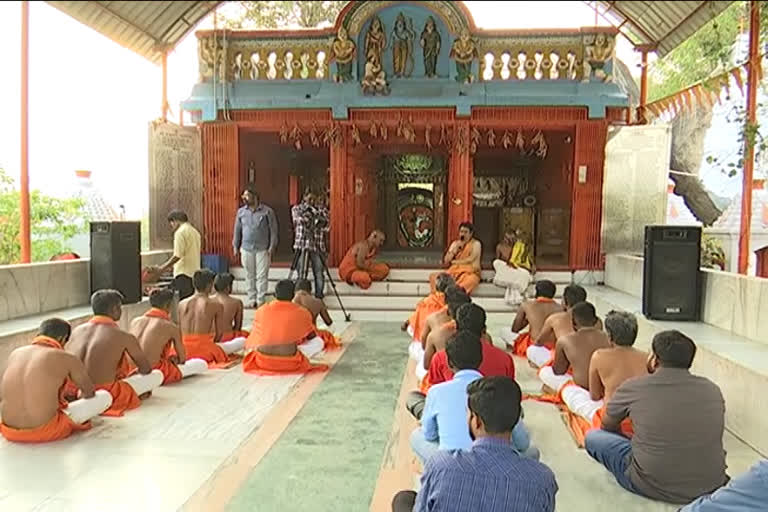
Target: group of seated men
[[66, 376]]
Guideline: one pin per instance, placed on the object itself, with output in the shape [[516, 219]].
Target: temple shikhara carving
[[411, 119]]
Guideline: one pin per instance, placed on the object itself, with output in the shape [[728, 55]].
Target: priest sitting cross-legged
[[358, 267], [574, 351], [608, 369], [104, 349], [157, 334], [203, 323], [432, 323], [556, 326], [532, 314], [283, 337], [233, 308], [316, 307], [472, 318], [463, 256], [33, 408], [432, 303], [513, 266]]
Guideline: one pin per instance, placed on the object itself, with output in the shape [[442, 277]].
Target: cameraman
[[310, 226]]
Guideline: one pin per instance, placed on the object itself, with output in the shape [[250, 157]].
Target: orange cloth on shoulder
[[171, 372], [263, 364], [229, 336], [280, 322], [432, 303], [59, 427], [330, 342], [466, 276], [201, 346]]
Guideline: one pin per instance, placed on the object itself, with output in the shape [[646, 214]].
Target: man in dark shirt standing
[[491, 476], [676, 453], [255, 238]]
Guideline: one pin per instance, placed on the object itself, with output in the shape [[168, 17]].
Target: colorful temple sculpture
[[411, 119]]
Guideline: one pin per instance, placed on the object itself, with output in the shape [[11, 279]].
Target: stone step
[[422, 275], [384, 289], [406, 304]]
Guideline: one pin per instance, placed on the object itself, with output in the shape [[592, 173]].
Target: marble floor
[[188, 435]]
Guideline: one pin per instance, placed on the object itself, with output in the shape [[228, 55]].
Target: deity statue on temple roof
[[343, 52], [464, 52], [375, 79], [598, 50], [375, 40], [402, 46], [430, 43]]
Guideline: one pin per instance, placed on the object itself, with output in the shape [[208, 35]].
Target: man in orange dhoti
[[532, 314], [104, 349], [358, 266], [233, 308], [556, 326], [432, 303], [463, 256], [33, 408], [316, 307], [279, 337], [157, 335], [203, 323]]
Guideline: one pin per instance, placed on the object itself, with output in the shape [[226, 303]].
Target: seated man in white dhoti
[[608, 368], [513, 266], [33, 409], [574, 352], [556, 326]]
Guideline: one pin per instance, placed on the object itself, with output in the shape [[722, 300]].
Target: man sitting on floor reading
[[556, 326], [469, 317], [203, 323], [676, 453], [443, 422], [532, 314], [574, 352], [233, 308], [157, 334], [283, 337], [430, 304], [358, 267], [463, 256], [33, 408], [104, 349], [490, 476], [316, 307]]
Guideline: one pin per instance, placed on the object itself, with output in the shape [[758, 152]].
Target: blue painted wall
[[419, 16]]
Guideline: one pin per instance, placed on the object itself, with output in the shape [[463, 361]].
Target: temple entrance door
[[412, 206]]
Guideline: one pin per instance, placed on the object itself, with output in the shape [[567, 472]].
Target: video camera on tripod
[[312, 219]]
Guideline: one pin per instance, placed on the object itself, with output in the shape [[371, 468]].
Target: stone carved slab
[[175, 179], [635, 185]]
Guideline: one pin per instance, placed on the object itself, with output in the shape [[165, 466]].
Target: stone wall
[[732, 302], [37, 288]]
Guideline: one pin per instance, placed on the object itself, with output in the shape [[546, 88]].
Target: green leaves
[[53, 223], [286, 14]]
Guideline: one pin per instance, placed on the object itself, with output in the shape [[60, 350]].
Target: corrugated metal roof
[[150, 27], [661, 25], [147, 28]]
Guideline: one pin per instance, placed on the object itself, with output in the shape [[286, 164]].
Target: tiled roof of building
[[678, 213], [96, 208], [730, 220]]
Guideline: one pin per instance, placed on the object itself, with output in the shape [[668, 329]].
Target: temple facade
[[407, 117]]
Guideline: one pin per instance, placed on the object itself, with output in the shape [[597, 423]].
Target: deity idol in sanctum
[[430, 42], [464, 52], [343, 50], [402, 47], [375, 40]]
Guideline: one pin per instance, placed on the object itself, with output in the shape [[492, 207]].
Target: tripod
[[302, 256]]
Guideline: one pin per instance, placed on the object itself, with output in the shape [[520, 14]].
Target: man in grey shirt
[[676, 453], [255, 238]]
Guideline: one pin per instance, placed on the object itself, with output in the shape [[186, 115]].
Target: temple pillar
[[341, 220], [458, 197]]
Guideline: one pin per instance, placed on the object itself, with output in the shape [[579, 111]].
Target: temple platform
[[339, 441]]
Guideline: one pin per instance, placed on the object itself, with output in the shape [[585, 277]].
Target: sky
[[91, 100]]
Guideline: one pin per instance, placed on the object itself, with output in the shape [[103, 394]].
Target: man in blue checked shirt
[[491, 476]]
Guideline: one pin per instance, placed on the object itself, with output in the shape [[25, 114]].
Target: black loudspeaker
[[671, 275], [116, 258]]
